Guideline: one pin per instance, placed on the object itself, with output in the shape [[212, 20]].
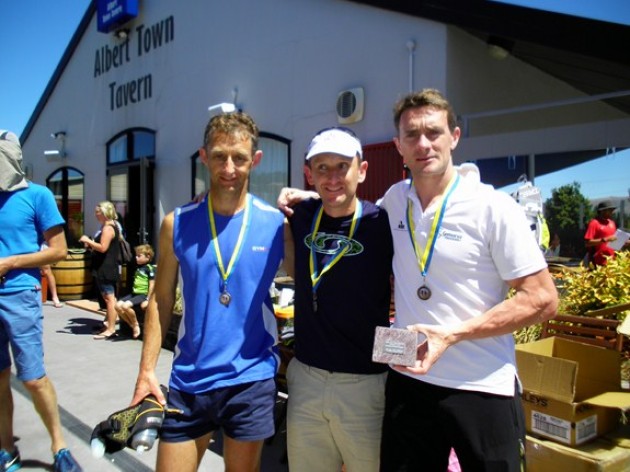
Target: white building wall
[[288, 60]]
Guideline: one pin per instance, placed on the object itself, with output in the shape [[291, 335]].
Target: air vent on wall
[[350, 105]]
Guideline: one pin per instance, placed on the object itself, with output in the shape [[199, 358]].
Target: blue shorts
[[106, 288], [21, 327], [245, 412]]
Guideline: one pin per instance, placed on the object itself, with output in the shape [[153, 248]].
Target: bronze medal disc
[[225, 298], [424, 293]]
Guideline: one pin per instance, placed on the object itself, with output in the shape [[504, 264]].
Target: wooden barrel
[[74, 275]]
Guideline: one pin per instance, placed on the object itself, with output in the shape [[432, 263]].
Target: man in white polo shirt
[[459, 246]]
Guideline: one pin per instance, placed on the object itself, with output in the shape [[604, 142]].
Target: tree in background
[[567, 213]]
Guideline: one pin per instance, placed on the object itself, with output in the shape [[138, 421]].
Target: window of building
[[272, 174], [130, 165], [67, 185]]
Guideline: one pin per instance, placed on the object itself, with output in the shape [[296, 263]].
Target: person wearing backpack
[[143, 282], [105, 249]]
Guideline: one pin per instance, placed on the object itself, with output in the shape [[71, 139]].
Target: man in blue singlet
[[227, 248]]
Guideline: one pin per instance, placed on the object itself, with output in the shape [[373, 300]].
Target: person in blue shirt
[[34, 218], [226, 249]]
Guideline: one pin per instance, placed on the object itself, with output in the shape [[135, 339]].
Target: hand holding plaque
[[395, 346]]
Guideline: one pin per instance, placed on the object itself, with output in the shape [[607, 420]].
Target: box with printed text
[[571, 391]]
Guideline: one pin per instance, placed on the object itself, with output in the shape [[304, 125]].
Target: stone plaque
[[395, 346]]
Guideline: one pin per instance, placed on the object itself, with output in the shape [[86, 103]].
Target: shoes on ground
[[57, 304], [64, 462], [10, 462]]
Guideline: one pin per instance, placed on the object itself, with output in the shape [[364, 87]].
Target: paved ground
[[94, 379]]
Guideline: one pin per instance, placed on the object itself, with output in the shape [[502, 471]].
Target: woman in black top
[[105, 251]]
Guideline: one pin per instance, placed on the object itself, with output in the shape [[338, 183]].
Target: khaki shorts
[[333, 419]]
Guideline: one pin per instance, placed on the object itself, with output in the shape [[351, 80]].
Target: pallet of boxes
[[574, 407]]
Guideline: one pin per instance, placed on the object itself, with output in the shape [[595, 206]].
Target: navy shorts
[[245, 412]]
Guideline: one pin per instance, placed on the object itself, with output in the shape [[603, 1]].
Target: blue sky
[[34, 36], [616, 11], [35, 33]]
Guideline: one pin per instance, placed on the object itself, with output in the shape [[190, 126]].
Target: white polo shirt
[[484, 240]]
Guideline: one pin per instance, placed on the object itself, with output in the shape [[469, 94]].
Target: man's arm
[[56, 251], [292, 196], [158, 315], [535, 301]]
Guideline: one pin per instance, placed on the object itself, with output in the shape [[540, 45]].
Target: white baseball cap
[[335, 140]]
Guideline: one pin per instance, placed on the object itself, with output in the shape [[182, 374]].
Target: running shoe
[[10, 462], [64, 462]]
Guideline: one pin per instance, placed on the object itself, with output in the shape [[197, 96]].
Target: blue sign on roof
[[112, 14]]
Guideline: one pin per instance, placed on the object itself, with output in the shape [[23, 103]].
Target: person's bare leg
[[182, 456], [120, 311], [110, 314], [52, 285], [241, 456], [45, 401], [6, 411], [131, 319]]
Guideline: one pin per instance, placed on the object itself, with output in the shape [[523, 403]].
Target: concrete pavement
[[94, 378]]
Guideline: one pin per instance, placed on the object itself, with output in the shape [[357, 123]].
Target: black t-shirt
[[353, 297]]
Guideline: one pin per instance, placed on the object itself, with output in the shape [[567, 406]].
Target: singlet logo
[[402, 226], [326, 243]]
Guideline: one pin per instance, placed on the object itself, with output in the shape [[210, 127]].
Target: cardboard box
[[571, 390], [607, 454]]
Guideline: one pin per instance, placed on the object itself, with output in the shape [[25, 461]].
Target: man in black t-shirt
[[343, 251]]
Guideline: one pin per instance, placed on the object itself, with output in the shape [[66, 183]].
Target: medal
[[225, 298], [343, 248], [424, 293], [423, 257]]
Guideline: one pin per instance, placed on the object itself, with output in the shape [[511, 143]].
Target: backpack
[[125, 256]]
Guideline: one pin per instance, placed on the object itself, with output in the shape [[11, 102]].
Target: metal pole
[[531, 168], [142, 232], [411, 47]]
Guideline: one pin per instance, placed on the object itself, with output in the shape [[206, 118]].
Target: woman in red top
[[601, 230]]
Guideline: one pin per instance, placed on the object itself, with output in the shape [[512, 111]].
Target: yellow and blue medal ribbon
[[424, 260], [225, 296], [344, 246]]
